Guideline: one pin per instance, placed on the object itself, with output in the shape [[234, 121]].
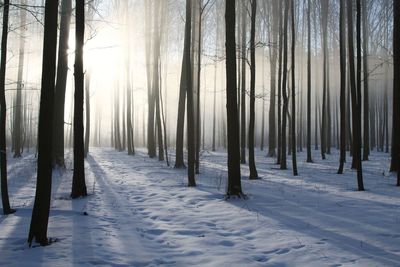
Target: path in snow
[[140, 213]]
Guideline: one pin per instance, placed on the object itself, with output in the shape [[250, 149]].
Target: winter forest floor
[[140, 213]]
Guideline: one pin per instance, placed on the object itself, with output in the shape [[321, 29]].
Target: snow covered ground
[[140, 213]]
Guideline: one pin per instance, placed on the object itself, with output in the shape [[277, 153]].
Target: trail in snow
[[140, 213]]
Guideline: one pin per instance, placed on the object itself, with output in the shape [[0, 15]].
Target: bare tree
[[41, 207], [78, 178], [234, 183], [252, 164], [3, 109]]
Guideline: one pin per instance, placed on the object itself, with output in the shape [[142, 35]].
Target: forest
[[200, 133]]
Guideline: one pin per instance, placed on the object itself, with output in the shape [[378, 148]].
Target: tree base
[[9, 211]]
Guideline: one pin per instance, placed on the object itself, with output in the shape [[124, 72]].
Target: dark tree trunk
[[78, 178], [198, 83], [190, 101], [272, 107], [355, 98], [278, 156], [365, 77], [61, 82], [309, 155], [156, 77], [252, 164], [186, 67], [3, 110], [151, 143], [18, 103], [396, 89], [243, 87], [325, 111], [294, 157], [284, 89], [41, 207], [234, 183], [342, 87]]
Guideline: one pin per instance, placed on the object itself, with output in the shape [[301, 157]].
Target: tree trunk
[[396, 88], [278, 156], [355, 98], [365, 77], [151, 143], [3, 109], [243, 89], [186, 67], [274, 55], [61, 82], [309, 155], [284, 92], [234, 183], [252, 164], [190, 103], [78, 178], [41, 207], [342, 87], [294, 157], [18, 103]]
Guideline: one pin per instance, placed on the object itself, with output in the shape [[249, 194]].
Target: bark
[[41, 207], [179, 162], [365, 33], [309, 155], [243, 87], [342, 87], [3, 109], [252, 164], [234, 183], [78, 177], [273, 59], [355, 98], [284, 92], [61, 82], [17, 134], [293, 120], [190, 102], [396, 88]]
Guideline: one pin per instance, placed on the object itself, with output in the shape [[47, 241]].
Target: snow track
[[140, 213]]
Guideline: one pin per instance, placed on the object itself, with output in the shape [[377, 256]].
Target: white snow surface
[[141, 213]]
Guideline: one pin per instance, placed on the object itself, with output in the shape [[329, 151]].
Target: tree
[[284, 92], [156, 75], [243, 86], [325, 121], [17, 133], [293, 120], [234, 183], [41, 207], [186, 67], [396, 88], [61, 82], [342, 41], [3, 112], [365, 78], [151, 143], [78, 178], [190, 101], [252, 164], [273, 59], [355, 97], [309, 155]]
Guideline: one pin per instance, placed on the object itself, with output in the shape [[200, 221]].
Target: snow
[[141, 213]]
